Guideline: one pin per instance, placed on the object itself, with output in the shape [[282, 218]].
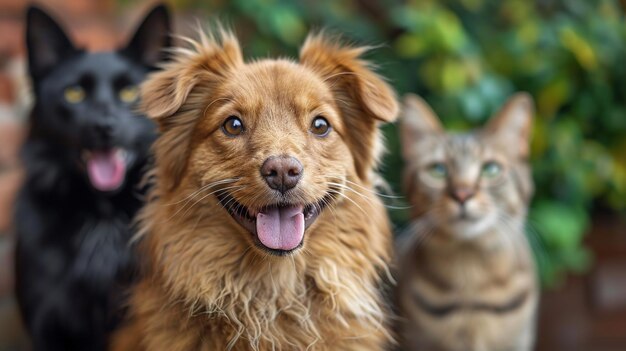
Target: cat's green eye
[[74, 94], [438, 170], [129, 94], [491, 170]]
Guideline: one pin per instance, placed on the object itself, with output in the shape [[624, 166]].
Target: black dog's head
[[86, 101]]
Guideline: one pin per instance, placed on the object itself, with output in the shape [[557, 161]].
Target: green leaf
[[560, 226]]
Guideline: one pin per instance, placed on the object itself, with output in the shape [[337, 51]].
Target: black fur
[[74, 261]]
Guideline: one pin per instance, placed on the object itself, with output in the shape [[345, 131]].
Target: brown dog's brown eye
[[232, 126], [320, 126]]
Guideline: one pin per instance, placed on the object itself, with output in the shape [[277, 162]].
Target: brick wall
[[11, 77]]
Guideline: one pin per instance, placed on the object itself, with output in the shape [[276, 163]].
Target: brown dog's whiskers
[[343, 186], [234, 188], [367, 198], [203, 188], [202, 198], [332, 191], [330, 206], [370, 191], [228, 205], [399, 197]]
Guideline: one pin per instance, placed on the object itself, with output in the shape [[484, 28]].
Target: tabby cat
[[467, 280]]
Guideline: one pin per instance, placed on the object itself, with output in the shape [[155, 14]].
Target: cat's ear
[[417, 120], [151, 38], [513, 123], [46, 42]]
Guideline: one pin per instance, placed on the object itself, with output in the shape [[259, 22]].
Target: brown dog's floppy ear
[[362, 96], [176, 97], [165, 91]]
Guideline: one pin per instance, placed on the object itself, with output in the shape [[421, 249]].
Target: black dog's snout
[[104, 129], [282, 172], [102, 132]]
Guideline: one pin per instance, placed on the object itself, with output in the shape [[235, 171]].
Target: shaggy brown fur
[[211, 285]]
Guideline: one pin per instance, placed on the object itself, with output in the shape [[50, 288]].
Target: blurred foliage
[[466, 57]]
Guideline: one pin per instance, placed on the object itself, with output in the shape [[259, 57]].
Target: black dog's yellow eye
[[74, 94], [129, 94], [320, 126], [232, 126]]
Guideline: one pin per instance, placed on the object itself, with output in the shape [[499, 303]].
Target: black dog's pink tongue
[[106, 169], [281, 228]]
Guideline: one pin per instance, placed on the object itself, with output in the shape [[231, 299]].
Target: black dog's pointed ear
[[46, 42], [151, 38]]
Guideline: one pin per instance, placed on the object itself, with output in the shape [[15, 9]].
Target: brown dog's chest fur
[[326, 298]]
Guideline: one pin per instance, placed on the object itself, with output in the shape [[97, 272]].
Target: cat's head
[[465, 184]]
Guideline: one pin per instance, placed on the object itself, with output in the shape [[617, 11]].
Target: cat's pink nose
[[461, 195]]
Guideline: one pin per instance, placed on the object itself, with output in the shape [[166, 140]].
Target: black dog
[[84, 157]]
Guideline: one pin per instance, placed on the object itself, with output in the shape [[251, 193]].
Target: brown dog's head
[[273, 141]]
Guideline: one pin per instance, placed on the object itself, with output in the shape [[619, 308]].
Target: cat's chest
[[465, 273]]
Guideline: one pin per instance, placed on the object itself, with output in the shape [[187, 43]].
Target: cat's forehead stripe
[[464, 145]]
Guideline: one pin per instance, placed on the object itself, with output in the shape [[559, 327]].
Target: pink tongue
[[106, 170], [281, 228]]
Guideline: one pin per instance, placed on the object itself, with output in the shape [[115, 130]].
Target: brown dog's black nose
[[282, 172]]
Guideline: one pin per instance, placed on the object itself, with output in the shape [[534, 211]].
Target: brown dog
[[263, 232]]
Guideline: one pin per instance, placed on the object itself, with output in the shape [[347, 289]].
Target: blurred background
[[464, 57]]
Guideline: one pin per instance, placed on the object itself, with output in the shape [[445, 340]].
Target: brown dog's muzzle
[[282, 173]]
